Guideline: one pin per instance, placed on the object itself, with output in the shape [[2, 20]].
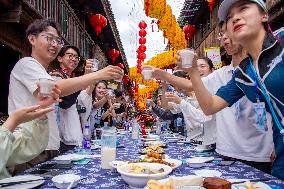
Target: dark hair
[[180, 74], [117, 93], [55, 64], [221, 23], [94, 91], [209, 62], [40, 25]]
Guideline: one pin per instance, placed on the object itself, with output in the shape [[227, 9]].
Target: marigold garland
[[167, 23]]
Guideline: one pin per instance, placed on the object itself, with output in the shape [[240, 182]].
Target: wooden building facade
[[73, 19], [206, 23]]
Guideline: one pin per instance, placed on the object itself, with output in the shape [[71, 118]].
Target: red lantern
[[142, 33], [113, 53], [141, 56], [142, 25], [142, 48], [189, 30], [139, 61], [98, 22], [142, 40]]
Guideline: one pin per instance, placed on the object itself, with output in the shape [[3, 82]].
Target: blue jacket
[[270, 68]]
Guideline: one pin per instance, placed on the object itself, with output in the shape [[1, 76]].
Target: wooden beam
[[12, 14], [7, 4]]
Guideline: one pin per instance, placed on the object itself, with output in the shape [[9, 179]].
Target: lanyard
[[258, 82]]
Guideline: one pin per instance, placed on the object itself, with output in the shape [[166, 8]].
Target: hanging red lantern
[[98, 22], [113, 53], [189, 30], [142, 33], [211, 4], [142, 40], [142, 48], [139, 61], [141, 56], [142, 25]]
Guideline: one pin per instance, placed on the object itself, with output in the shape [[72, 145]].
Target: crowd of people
[[237, 109]]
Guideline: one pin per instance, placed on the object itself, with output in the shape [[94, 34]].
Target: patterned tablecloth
[[95, 177]]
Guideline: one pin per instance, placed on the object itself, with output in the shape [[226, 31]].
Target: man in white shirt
[[44, 38], [238, 135]]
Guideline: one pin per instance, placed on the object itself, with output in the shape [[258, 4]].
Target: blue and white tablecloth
[[95, 177]]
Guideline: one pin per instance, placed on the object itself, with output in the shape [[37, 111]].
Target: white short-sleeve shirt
[[238, 136], [23, 83]]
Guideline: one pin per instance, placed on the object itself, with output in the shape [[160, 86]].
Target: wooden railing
[[71, 28]]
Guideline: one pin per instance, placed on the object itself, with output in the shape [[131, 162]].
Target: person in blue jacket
[[260, 76]]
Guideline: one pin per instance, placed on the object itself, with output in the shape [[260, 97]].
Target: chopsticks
[[252, 180], [18, 182]]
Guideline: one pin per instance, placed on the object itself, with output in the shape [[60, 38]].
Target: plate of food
[[136, 175], [155, 149], [160, 158], [173, 182]]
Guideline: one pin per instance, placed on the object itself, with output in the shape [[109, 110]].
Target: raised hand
[[110, 72], [49, 100]]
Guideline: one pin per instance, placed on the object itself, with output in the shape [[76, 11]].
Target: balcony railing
[[71, 28]]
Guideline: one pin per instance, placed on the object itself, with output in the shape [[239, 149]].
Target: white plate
[[258, 185], [169, 160], [23, 178], [63, 181], [150, 143], [207, 173], [199, 159], [185, 187], [175, 161], [115, 164], [143, 156], [70, 157]]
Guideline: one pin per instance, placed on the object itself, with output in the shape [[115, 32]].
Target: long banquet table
[[95, 177]]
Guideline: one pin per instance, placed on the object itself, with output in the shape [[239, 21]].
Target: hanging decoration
[[189, 31], [98, 22], [157, 9], [113, 54], [211, 4]]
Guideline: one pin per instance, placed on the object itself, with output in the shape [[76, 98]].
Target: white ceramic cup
[[45, 86], [147, 73], [95, 65], [120, 79], [187, 56]]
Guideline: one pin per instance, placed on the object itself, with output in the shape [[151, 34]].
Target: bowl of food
[[136, 175], [63, 181]]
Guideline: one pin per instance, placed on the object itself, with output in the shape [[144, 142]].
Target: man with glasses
[[238, 136], [44, 38]]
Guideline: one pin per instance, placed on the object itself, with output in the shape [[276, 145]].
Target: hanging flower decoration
[[98, 22], [113, 54], [176, 38], [155, 8]]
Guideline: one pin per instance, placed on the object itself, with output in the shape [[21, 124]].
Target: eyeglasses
[[72, 56], [53, 39], [202, 66]]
